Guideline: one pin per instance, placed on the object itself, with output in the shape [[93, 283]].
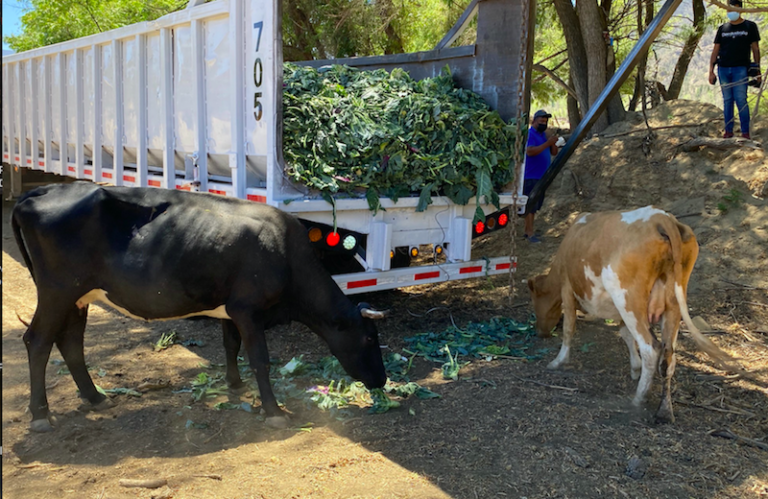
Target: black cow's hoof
[[41, 426], [278, 422], [238, 389], [101, 406]]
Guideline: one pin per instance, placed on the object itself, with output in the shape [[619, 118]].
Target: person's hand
[[551, 141], [712, 78], [759, 79]]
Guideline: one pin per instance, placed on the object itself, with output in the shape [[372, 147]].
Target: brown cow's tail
[[724, 360]]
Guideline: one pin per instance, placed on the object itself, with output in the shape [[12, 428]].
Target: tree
[[51, 21], [324, 29], [591, 58], [577, 59], [691, 43], [645, 11]]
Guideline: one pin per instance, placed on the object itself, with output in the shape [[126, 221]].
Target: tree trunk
[[574, 118], [642, 25], [592, 27], [577, 55], [616, 111], [388, 12], [306, 38], [681, 68]]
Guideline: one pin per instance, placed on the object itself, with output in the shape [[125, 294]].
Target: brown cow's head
[[547, 305]]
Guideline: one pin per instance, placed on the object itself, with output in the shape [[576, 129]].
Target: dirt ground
[[505, 428]]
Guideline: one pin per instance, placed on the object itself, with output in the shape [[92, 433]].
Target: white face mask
[[733, 16]]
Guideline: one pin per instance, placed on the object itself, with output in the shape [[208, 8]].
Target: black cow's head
[[354, 340]]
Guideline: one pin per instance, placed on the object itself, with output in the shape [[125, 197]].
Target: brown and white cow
[[632, 267]]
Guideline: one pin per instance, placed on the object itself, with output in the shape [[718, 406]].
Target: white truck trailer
[[193, 101]]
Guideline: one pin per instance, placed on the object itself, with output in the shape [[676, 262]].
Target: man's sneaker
[[727, 135], [532, 239], [745, 135]]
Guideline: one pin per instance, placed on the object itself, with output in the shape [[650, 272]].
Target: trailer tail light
[[438, 250], [503, 219], [479, 227], [333, 238], [414, 252], [349, 242], [315, 234], [490, 222], [391, 253]]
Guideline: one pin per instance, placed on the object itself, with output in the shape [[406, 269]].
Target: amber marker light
[[315, 234]]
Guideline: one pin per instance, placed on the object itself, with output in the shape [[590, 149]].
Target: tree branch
[[737, 9], [555, 78], [93, 18]]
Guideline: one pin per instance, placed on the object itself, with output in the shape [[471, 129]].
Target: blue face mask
[[733, 16]]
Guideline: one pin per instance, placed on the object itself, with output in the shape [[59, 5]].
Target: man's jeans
[[733, 82]]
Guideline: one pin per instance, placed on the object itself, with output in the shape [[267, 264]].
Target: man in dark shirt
[[539, 152], [733, 43]]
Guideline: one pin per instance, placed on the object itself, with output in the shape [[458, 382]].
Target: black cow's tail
[[17, 234]]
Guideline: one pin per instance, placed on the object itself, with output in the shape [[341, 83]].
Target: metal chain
[[520, 124]]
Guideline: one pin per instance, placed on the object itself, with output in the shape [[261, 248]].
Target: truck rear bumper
[[364, 282]]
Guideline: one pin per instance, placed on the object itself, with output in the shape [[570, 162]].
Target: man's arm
[[756, 58], [536, 150], [712, 61]]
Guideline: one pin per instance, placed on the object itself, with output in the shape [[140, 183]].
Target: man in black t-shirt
[[733, 43]]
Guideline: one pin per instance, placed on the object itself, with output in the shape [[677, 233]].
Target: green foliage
[[166, 340], [323, 384], [731, 200], [372, 133], [381, 402], [499, 336], [51, 21], [314, 29]]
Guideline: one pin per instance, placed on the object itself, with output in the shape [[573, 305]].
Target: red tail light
[[480, 227], [333, 238], [503, 219]]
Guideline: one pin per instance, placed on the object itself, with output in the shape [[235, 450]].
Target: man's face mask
[[541, 127], [733, 16]]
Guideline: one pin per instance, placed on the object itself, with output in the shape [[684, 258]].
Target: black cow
[[161, 254]]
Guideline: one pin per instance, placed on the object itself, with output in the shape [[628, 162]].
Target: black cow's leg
[[252, 334], [70, 344], [39, 342], [231, 349]]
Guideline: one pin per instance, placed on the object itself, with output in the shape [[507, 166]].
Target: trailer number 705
[[258, 73]]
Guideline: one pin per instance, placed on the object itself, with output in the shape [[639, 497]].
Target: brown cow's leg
[[634, 357], [232, 344], [569, 325], [70, 344], [669, 328], [632, 304], [252, 334]]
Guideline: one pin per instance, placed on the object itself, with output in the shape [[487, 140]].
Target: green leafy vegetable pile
[[323, 384], [499, 336], [385, 134]]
